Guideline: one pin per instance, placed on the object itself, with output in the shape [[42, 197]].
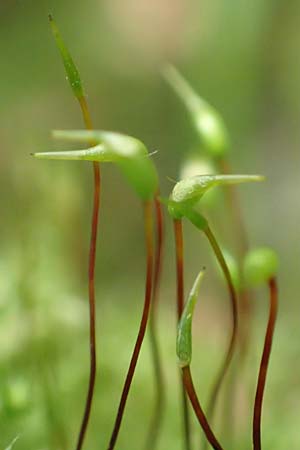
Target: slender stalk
[[180, 303], [190, 389], [234, 333], [156, 420], [143, 324], [256, 432], [91, 275]]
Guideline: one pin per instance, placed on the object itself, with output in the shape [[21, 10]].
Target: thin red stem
[[180, 303], [234, 333], [156, 357], [91, 275], [190, 389], [256, 436], [143, 324]]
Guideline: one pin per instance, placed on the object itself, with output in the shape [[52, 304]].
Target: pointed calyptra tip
[[70, 67], [96, 153], [184, 330]]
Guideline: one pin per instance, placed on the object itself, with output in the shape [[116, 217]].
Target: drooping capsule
[[127, 152], [187, 193]]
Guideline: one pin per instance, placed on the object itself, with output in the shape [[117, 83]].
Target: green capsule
[[184, 330], [70, 67], [207, 121], [127, 152], [260, 265], [187, 193]]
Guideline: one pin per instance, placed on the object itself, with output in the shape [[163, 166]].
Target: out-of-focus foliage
[[241, 57]]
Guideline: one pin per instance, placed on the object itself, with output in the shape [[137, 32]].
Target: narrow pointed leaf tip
[[207, 121], [184, 330], [127, 152], [186, 193], [11, 445], [260, 265], [70, 67]]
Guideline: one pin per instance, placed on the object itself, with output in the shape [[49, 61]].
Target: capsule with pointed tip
[[260, 265], [207, 121], [187, 193], [70, 67], [127, 152], [184, 330]]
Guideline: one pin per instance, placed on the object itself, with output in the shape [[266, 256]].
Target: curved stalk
[[91, 275], [156, 419], [234, 333], [180, 303], [189, 386], [143, 324], [256, 432]]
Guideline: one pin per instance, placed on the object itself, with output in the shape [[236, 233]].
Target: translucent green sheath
[[184, 330], [187, 193], [11, 445], [207, 121], [127, 152]]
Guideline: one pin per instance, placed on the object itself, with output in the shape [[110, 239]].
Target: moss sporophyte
[[75, 82], [184, 354]]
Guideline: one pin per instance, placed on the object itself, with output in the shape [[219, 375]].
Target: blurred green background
[[241, 56]]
